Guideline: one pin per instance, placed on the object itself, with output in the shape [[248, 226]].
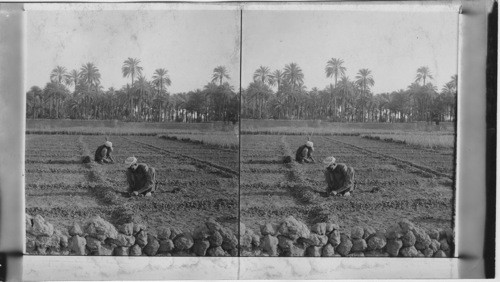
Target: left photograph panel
[[132, 115]]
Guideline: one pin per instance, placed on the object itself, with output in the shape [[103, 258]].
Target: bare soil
[[63, 190], [393, 181]]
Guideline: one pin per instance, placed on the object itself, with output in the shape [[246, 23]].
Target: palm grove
[[281, 94], [139, 100]]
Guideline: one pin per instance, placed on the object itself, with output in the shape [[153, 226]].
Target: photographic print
[[132, 130], [348, 132]]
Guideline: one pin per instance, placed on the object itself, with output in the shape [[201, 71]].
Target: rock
[[30, 243], [44, 242], [127, 228], [141, 238], [200, 247], [76, 244], [450, 235], [123, 240], [434, 234], [138, 227], [331, 226], [216, 252], [406, 225], [420, 254], [105, 250], [229, 240], [376, 243], [358, 245], [183, 242], [40, 227], [29, 223], [152, 247], [243, 229], [64, 241], [164, 233], [408, 239], [357, 232], [393, 246], [409, 251], [422, 239], [92, 243], [215, 239], [345, 246], [444, 245], [100, 229], [233, 252], [213, 225], [368, 232], [290, 248], [435, 245], [200, 233], [358, 254], [166, 246], [319, 228], [440, 254], [294, 228], [317, 240], [175, 232], [428, 252], [269, 244], [328, 251], [246, 240], [255, 240], [135, 250], [334, 238], [376, 253], [394, 232], [267, 229], [121, 251], [313, 251]]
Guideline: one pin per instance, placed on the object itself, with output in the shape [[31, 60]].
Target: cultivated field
[[393, 181], [63, 190]]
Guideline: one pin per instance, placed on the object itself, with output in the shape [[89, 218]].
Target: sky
[[393, 45], [191, 43], [188, 43]]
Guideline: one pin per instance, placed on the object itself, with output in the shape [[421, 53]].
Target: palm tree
[[263, 75], [58, 74], [293, 75], [364, 79], [220, 72], [276, 78], [131, 68], [422, 74], [90, 75], [161, 78], [72, 78], [334, 68]]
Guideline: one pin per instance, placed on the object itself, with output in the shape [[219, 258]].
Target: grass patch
[[419, 139]]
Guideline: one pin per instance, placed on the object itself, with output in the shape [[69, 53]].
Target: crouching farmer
[[103, 153], [141, 178], [304, 153], [339, 178]]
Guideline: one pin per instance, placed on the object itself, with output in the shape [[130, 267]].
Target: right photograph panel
[[348, 132]]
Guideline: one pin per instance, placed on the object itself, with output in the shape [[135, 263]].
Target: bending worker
[[141, 178], [339, 177], [304, 153], [103, 153]]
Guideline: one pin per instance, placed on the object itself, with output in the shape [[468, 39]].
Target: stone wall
[[287, 238]]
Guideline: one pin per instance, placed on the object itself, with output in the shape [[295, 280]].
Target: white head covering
[[309, 144], [329, 161], [108, 144], [130, 161]]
